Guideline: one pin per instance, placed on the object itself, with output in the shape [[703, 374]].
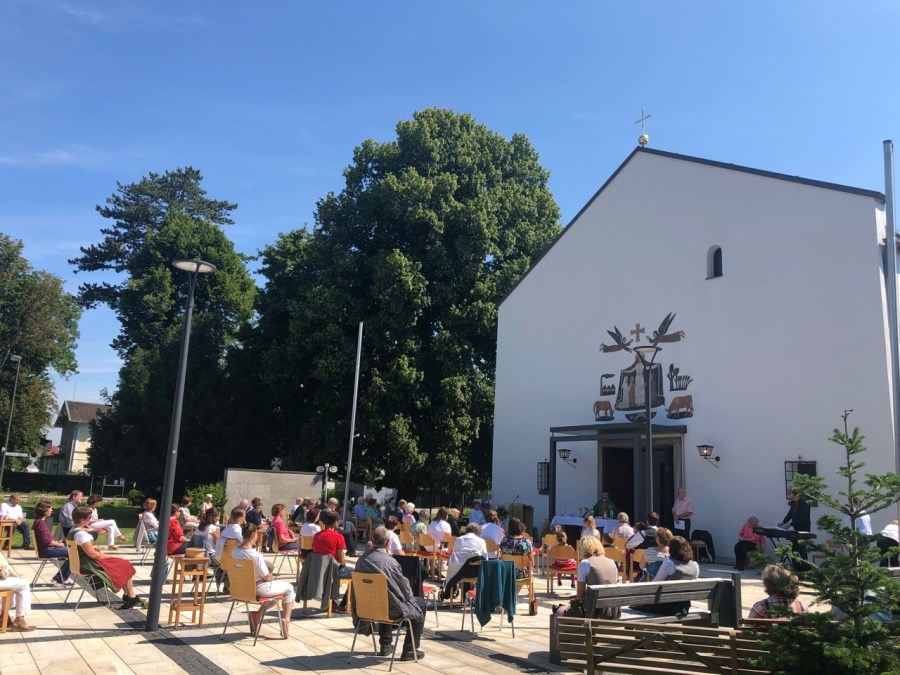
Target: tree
[[851, 582], [137, 209], [428, 235], [131, 439], [39, 322]]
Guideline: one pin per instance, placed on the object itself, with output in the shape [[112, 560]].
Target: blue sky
[[268, 100]]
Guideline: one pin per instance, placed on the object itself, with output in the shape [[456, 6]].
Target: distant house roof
[[79, 412]]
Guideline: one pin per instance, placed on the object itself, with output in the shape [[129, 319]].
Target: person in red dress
[[116, 573]]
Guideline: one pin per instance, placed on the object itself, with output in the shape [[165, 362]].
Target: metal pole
[[649, 433], [352, 424], [890, 274], [12, 405], [159, 561]]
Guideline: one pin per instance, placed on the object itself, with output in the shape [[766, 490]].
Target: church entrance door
[[622, 476]]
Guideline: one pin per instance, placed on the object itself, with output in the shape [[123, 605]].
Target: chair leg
[[396, 642], [83, 589], [353, 644], [66, 601], [228, 618], [39, 570]]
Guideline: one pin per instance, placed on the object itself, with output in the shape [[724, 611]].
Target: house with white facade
[[74, 419], [765, 294]]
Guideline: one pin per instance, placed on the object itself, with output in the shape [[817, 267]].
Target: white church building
[[765, 294]]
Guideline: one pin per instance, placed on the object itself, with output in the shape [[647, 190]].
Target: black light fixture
[[543, 477], [647, 354], [564, 454], [706, 451]]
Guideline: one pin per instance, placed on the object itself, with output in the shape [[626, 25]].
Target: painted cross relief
[[629, 395]]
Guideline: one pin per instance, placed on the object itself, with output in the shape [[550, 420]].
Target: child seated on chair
[[562, 540], [266, 585]]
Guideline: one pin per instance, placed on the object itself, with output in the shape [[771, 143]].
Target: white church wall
[[790, 336]]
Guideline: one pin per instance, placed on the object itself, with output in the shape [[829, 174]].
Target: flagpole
[[352, 423]]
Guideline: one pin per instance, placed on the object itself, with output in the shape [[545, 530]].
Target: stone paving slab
[[99, 639]]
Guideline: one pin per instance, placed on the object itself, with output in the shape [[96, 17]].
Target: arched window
[[714, 262]]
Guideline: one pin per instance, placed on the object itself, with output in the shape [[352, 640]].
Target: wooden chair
[[426, 542], [371, 597], [547, 542], [523, 562], [619, 543], [86, 578], [637, 557], [468, 581], [560, 552], [407, 541], [7, 528], [5, 600], [405, 527], [618, 557], [365, 527], [492, 548], [242, 581]]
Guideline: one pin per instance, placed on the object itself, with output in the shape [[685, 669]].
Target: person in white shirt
[[492, 529], [468, 546], [624, 529], [232, 530], [12, 510], [440, 530], [207, 504], [476, 515], [394, 545], [109, 526], [266, 585]]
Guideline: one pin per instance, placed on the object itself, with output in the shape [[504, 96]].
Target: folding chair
[[371, 597], [86, 578], [242, 580]]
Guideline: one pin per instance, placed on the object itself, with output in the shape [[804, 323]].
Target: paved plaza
[[104, 641]]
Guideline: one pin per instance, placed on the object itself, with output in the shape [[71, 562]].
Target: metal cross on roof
[[641, 121]]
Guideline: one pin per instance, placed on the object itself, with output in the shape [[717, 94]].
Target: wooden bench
[[722, 597], [595, 645]]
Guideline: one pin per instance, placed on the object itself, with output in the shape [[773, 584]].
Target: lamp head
[[194, 266], [564, 453], [15, 358]]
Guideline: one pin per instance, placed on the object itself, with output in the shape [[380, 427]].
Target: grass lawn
[[124, 515]]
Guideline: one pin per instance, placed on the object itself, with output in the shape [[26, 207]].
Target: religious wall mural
[[629, 395]]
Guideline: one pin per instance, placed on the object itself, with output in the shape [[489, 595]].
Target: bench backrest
[[723, 596], [598, 646]]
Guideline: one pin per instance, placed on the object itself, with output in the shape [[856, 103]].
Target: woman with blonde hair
[[151, 524], [624, 529], [783, 589], [590, 528]]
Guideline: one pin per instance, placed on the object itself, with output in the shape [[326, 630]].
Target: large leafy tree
[[430, 231], [131, 439], [39, 322]]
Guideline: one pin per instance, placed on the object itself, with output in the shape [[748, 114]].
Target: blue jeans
[[59, 552], [26, 533], [345, 573]]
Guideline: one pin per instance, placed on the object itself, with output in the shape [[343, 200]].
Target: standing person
[[605, 507], [798, 515], [748, 541], [682, 512], [266, 585], [402, 604], [889, 538], [492, 529], [47, 546], [65, 513], [21, 592], [12, 510], [177, 543], [113, 533], [116, 573]]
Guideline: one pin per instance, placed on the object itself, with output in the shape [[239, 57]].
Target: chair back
[[560, 552], [426, 541], [451, 542], [370, 597], [492, 546], [472, 580], [637, 557], [225, 562], [405, 527], [306, 542], [616, 555], [520, 561], [619, 543], [275, 548], [549, 540], [74, 557], [140, 535], [242, 580]]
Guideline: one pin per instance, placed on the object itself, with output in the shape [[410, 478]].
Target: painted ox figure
[[604, 407], [681, 405]]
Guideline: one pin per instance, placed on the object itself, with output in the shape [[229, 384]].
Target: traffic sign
[[17, 454]]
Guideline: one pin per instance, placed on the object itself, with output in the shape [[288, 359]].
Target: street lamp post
[[12, 404], [325, 470], [193, 268], [643, 353]]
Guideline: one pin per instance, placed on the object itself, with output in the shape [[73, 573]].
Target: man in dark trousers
[[798, 515], [402, 603]]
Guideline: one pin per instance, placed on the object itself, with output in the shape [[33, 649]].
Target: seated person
[[517, 543], [645, 533], [232, 530], [590, 528], [309, 529], [748, 541], [255, 514], [330, 542], [47, 546], [655, 555], [177, 543], [185, 517], [623, 529], [559, 563], [594, 568], [12, 510], [109, 526], [410, 516], [286, 541], [453, 520], [468, 547], [373, 512], [492, 529], [151, 524], [115, 573], [266, 585], [21, 593], [440, 531], [888, 539], [359, 511], [680, 564], [392, 525], [782, 588]]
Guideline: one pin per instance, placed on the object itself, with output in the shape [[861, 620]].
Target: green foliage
[[39, 322], [198, 495], [132, 438], [430, 232], [135, 497], [850, 580]]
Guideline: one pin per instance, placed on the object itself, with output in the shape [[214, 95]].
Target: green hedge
[[20, 481]]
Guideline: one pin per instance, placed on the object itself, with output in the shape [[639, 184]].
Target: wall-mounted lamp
[[706, 451], [564, 454]]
